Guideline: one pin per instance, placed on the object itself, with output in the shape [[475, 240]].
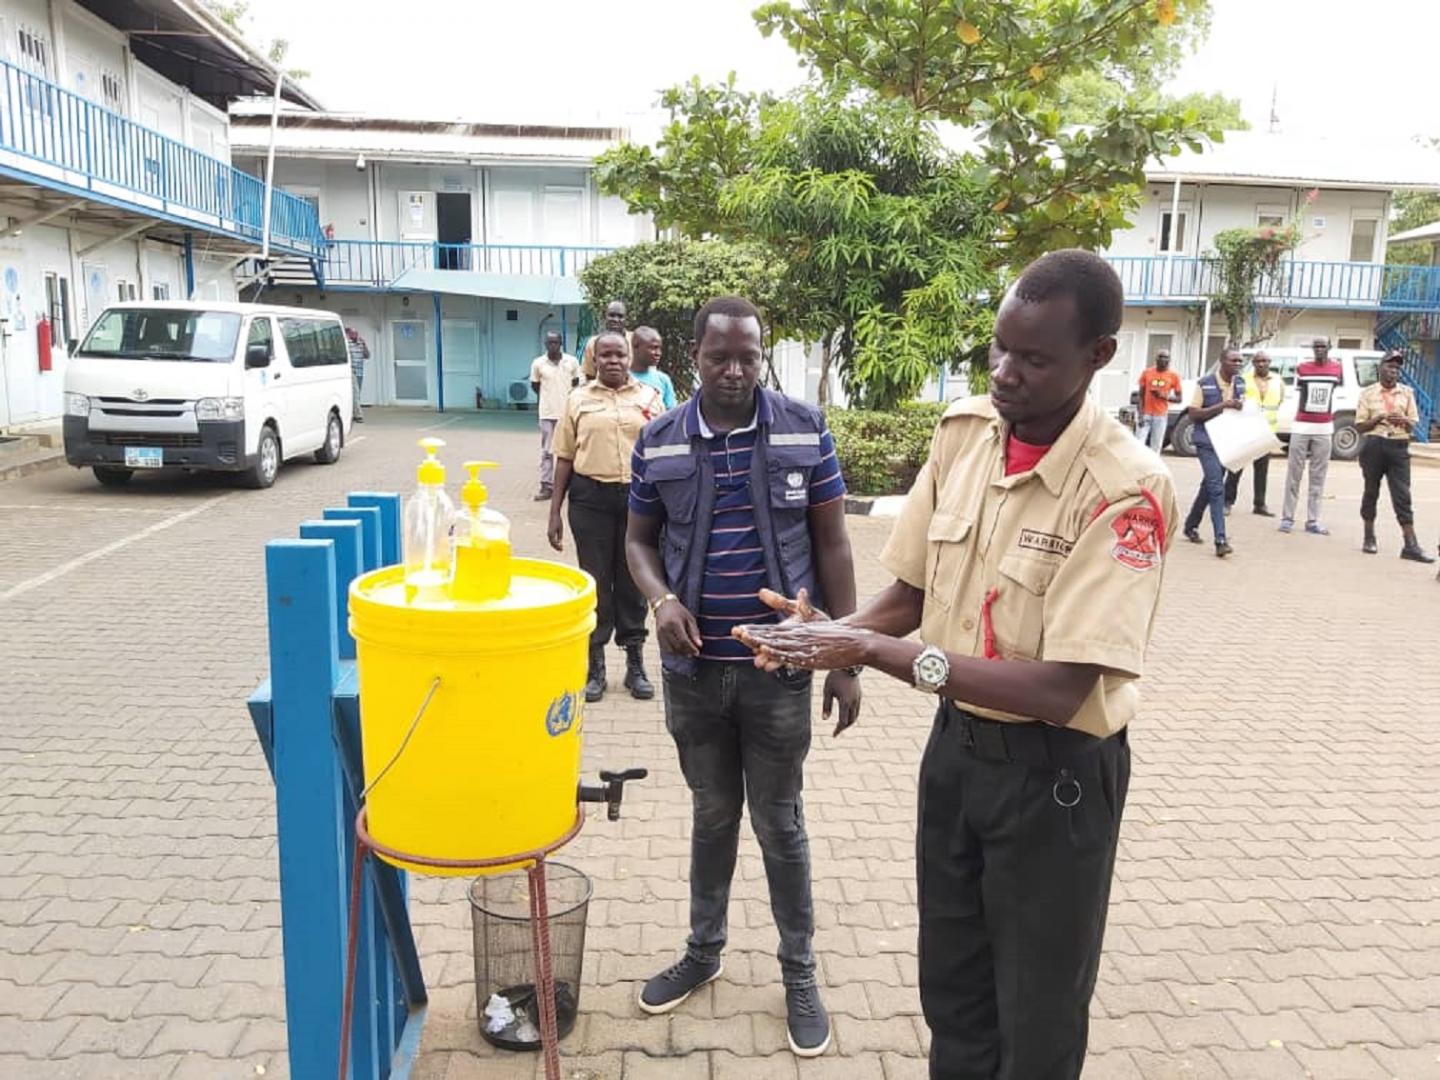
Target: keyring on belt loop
[[1066, 778]]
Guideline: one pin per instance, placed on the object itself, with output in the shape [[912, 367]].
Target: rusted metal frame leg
[[544, 971]]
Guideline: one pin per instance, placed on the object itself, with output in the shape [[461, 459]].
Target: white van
[[1361, 367], [207, 387]]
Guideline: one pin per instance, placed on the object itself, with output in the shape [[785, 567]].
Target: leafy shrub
[[880, 452]]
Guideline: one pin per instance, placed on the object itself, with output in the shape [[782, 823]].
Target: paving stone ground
[[1276, 910]]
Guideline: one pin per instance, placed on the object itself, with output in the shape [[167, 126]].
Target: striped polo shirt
[[734, 557]]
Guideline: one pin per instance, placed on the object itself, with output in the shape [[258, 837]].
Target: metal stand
[[365, 844]]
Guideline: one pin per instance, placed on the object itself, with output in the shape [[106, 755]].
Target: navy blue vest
[[677, 462], [1212, 395]]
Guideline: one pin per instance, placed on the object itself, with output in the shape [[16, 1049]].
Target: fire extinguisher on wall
[[44, 347]]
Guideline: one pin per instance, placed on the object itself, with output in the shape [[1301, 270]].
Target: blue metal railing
[[380, 263], [57, 137], [1297, 282], [1417, 373]]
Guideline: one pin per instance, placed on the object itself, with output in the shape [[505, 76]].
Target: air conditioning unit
[[520, 393]]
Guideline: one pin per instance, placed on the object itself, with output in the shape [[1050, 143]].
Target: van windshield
[[163, 334]]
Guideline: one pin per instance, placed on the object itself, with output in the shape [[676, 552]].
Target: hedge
[[880, 452]]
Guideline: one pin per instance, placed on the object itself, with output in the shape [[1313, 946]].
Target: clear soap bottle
[[429, 517]]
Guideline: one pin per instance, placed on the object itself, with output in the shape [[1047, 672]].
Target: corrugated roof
[[189, 45], [1257, 157]]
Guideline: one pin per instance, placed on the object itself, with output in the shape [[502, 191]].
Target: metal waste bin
[[505, 999]]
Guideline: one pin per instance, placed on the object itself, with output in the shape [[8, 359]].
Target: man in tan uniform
[[1029, 556]]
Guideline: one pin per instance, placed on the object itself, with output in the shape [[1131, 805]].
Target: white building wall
[[1210, 208]]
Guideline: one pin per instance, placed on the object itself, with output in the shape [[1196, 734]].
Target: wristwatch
[[659, 602], [853, 672], [931, 670]]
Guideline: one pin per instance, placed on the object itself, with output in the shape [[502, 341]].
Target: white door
[[461, 341], [263, 399], [1113, 383], [417, 215], [410, 362], [563, 216]]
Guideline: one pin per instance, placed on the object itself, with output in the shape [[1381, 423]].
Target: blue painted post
[[348, 560], [304, 669], [368, 518], [439, 355], [189, 266], [389, 507]]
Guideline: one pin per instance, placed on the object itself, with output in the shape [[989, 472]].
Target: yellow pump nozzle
[[474, 493], [431, 471]]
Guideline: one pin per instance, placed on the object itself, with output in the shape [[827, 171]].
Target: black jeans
[[598, 513], [1014, 860], [1260, 470], [743, 733], [1387, 459]]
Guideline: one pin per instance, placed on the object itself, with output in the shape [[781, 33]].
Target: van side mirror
[[257, 355]]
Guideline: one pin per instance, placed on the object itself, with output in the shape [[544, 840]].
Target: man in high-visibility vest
[[1268, 391]]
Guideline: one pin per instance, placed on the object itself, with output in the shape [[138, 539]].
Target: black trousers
[[1387, 459], [1018, 829], [598, 513], [1260, 469]]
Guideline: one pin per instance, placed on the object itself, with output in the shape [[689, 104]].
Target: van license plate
[[144, 457]]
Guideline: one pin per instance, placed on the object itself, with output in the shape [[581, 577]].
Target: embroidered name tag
[[1046, 542]]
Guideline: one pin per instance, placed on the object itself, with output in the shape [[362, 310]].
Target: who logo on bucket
[[564, 711]]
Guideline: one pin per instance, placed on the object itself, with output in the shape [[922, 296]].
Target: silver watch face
[[931, 670]]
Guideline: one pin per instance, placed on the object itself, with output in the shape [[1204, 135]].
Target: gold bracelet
[[658, 603]]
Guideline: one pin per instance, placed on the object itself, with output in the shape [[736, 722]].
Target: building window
[[1362, 239], [125, 290], [58, 307], [160, 292], [1270, 217], [112, 92], [34, 52], [1172, 230]]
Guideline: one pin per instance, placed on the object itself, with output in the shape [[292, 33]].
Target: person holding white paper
[[1214, 393]]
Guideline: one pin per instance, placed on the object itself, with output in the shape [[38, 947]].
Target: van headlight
[[220, 408], [77, 405]]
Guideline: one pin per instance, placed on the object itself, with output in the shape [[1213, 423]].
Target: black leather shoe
[[1415, 553], [1222, 549], [1369, 547], [636, 681], [1193, 536], [595, 684], [1263, 511]]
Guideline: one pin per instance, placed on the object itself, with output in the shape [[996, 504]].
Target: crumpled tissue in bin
[[498, 1014]]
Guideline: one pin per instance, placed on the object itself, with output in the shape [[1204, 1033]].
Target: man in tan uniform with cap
[[1029, 556]]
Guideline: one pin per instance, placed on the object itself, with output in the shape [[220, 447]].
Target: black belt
[[1034, 744]]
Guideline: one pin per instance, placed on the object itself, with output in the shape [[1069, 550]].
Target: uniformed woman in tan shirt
[[593, 444]]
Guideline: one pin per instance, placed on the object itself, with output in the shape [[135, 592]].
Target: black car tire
[[112, 475], [1182, 437]]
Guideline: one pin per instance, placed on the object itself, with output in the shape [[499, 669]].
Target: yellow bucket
[[491, 766]]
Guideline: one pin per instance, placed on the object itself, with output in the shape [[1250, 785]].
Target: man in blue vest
[[736, 491], [1214, 393]]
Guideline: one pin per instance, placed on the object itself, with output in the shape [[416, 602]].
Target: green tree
[[664, 284], [1086, 97], [1243, 259], [236, 14], [896, 247], [1412, 209]]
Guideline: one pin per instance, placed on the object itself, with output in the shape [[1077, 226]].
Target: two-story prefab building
[[1335, 285], [115, 175], [451, 248]]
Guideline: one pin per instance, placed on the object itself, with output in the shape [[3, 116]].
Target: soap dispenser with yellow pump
[[482, 543]]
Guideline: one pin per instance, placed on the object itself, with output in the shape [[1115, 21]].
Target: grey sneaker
[[676, 983], [807, 1021]]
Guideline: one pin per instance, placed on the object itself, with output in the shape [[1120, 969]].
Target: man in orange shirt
[[1159, 386]]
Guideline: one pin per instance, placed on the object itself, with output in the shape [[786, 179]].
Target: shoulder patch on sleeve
[[1138, 538]]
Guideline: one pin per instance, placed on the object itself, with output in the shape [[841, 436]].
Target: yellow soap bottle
[[482, 542]]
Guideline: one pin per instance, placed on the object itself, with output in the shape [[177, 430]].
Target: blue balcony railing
[[1296, 283], [54, 137], [380, 263]]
